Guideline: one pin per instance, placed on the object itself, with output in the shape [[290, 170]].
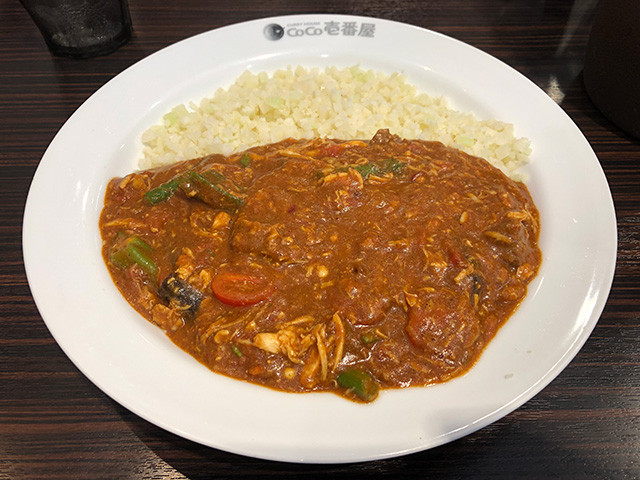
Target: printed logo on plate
[[273, 31]]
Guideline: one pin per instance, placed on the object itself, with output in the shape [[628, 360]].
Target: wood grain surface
[[55, 424]]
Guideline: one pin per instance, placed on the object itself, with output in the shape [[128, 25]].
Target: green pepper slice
[[202, 188], [163, 192], [359, 382], [245, 160], [134, 250]]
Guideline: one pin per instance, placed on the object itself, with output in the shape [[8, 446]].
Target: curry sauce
[[325, 265]]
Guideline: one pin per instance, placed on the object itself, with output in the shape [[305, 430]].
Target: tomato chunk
[[333, 150], [240, 289]]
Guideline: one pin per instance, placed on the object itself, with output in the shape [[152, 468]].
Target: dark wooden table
[[54, 423]]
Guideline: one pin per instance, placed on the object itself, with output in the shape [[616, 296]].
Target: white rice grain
[[349, 103]]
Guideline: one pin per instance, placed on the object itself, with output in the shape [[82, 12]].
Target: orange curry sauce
[[325, 265]]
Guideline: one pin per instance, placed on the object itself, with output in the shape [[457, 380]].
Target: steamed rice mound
[[349, 103]]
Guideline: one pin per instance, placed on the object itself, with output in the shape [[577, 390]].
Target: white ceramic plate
[[135, 364]]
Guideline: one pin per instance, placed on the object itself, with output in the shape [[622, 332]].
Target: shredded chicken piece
[[355, 143], [499, 237], [292, 154], [357, 176], [410, 298], [332, 176], [320, 335], [220, 323], [268, 342], [185, 264], [309, 371], [140, 182], [292, 341], [522, 215], [128, 223], [463, 274], [166, 318], [222, 219], [297, 321], [221, 337], [403, 243], [377, 179], [339, 328]]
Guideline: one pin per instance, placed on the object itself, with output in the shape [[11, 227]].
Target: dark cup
[[612, 63], [81, 28]]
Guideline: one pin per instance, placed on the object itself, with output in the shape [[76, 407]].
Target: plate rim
[[570, 353]]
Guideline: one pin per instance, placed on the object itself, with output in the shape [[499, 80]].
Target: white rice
[[349, 103]]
